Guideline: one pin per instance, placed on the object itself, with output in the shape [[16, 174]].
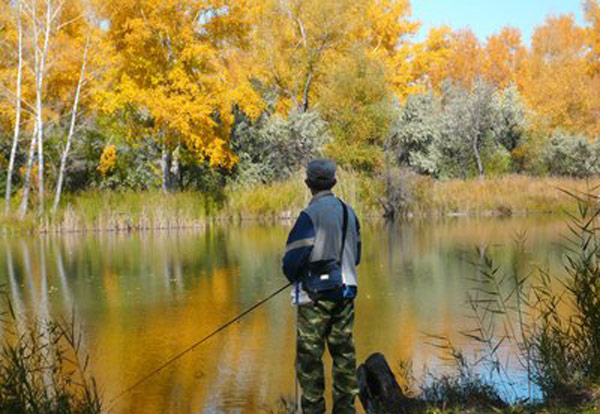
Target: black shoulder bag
[[324, 277]]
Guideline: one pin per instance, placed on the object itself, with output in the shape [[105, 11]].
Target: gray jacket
[[317, 235]]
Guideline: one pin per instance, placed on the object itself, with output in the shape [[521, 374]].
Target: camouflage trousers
[[331, 323]]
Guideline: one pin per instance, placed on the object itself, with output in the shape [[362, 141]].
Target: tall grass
[[511, 194], [122, 211], [420, 196], [43, 370], [565, 338], [548, 323], [286, 199]]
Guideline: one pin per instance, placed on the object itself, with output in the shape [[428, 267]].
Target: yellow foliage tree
[[389, 30], [108, 159], [555, 81], [447, 55], [298, 43], [431, 59], [592, 15], [358, 105], [504, 56], [175, 71], [466, 63]]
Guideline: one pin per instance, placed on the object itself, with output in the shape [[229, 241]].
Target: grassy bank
[[514, 194], [125, 211], [506, 195], [120, 211]]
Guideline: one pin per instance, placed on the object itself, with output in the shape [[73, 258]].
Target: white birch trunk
[[63, 161], [176, 169], [27, 183], [39, 77], [15, 143], [165, 166]]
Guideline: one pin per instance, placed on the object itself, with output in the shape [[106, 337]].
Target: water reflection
[[143, 297]]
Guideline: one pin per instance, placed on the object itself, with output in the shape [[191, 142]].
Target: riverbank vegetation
[[223, 102], [534, 334], [421, 197], [43, 370]]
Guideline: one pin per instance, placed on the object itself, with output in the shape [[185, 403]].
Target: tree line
[[187, 94]]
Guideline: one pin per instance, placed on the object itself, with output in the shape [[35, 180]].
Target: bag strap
[[344, 228]]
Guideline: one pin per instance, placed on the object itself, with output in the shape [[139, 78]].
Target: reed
[[44, 371], [527, 322], [511, 194]]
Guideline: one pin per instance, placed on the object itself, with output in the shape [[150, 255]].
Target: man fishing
[[322, 253]]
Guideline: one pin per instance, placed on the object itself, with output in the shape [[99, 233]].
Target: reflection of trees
[[64, 284], [28, 273], [14, 292], [143, 297]]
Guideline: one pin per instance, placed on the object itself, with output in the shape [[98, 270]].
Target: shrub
[[397, 192], [463, 133], [274, 148], [572, 155], [416, 133]]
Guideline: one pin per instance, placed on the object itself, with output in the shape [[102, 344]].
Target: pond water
[[141, 298]]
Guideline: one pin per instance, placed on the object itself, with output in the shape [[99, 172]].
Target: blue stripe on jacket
[[299, 246]]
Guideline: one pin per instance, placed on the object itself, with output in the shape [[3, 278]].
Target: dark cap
[[320, 172]]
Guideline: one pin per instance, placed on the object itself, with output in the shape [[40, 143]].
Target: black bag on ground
[[324, 277]]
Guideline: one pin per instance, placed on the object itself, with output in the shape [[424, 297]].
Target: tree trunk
[[305, 93], [165, 166], [478, 158], [27, 183], [63, 161], [13, 150], [39, 77], [175, 170]]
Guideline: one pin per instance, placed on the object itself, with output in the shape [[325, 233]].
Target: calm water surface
[[143, 297]]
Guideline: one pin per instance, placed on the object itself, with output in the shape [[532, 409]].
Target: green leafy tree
[[461, 133], [469, 126], [273, 148], [512, 118], [572, 155], [416, 134]]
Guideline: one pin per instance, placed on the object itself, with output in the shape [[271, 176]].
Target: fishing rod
[[193, 346]]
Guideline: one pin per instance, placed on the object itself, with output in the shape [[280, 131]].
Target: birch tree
[[29, 167], [40, 52], [15, 143], [41, 56], [63, 161]]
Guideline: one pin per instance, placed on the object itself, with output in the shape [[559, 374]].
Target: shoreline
[[104, 211], [128, 224]]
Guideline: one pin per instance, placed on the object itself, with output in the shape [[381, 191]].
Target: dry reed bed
[[507, 195]]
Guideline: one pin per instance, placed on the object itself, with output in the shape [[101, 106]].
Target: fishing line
[[191, 347]]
